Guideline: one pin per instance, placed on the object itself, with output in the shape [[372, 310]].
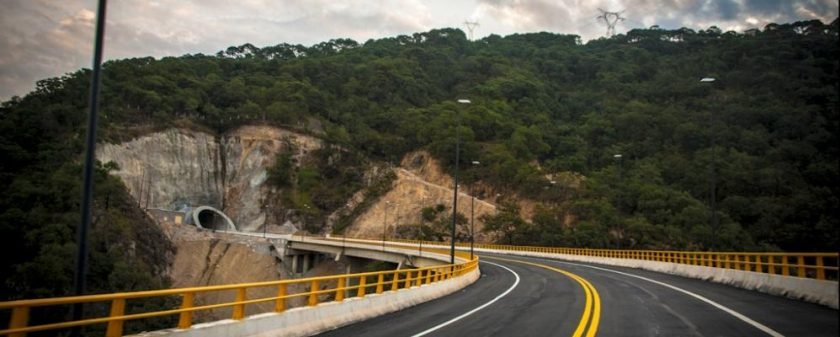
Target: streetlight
[[712, 172], [384, 223], [472, 217], [303, 232], [455, 198], [396, 219], [344, 232], [620, 176], [618, 197], [80, 273]]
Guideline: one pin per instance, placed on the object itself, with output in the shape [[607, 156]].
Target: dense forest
[[548, 117]]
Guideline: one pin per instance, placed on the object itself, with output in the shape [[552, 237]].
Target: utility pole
[[470, 27], [610, 19]]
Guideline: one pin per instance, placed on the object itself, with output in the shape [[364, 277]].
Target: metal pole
[[713, 187], [90, 153], [457, 160], [384, 225], [618, 196], [712, 171], [455, 198], [472, 226]]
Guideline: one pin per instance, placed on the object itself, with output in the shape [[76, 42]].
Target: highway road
[[519, 296]]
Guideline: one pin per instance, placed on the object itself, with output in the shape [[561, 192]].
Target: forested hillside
[[544, 106]]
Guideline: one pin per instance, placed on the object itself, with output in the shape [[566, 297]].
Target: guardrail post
[[395, 283], [339, 290], [407, 279], [362, 286], [428, 276], [758, 266], [800, 266], [820, 268], [314, 288], [771, 264], [185, 318], [239, 307], [115, 327], [20, 319], [420, 278], [785, 266], [380, 283], [280, 304]]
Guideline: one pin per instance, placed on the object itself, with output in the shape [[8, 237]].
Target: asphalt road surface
[[518, 296]]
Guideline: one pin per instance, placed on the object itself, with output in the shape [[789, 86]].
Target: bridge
[[499, 290]]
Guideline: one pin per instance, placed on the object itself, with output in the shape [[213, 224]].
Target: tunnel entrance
[[211, 218]]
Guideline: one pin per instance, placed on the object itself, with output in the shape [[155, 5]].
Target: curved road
[[519, 296]]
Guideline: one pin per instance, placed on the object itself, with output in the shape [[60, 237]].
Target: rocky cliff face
[[180, 168]]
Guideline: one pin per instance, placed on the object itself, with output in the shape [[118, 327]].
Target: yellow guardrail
[[819, 266], [337, 288]]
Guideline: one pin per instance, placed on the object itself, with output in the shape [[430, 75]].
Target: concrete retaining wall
[[810, 290], [307, 321]]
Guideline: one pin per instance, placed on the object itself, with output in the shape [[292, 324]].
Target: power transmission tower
[[610, 18], [470, 27]]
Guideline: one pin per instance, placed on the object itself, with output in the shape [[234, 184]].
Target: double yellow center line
[[591, 316]]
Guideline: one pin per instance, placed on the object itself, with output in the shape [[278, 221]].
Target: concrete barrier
[[823, 292], [307, 321]]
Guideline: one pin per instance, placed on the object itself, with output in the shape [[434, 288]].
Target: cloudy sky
[[47, 38]]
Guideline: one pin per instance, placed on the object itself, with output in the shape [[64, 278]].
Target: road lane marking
[[591, 316], [738, 315], [439, 326]]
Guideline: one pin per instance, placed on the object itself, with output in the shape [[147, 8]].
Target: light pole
[[303, 232], [618, 197], [712, 172], [384, 224], [344, 233], [472, 217], [80, 273], [620, 180], [396, 219], [455, 197]]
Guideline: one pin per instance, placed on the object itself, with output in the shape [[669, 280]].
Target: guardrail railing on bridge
[[819, 266], [335, 288]]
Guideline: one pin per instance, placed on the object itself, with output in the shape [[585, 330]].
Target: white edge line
[[439, 326], [738, 315]]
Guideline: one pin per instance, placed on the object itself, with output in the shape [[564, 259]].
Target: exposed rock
[[420, 184], [179, 168]]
